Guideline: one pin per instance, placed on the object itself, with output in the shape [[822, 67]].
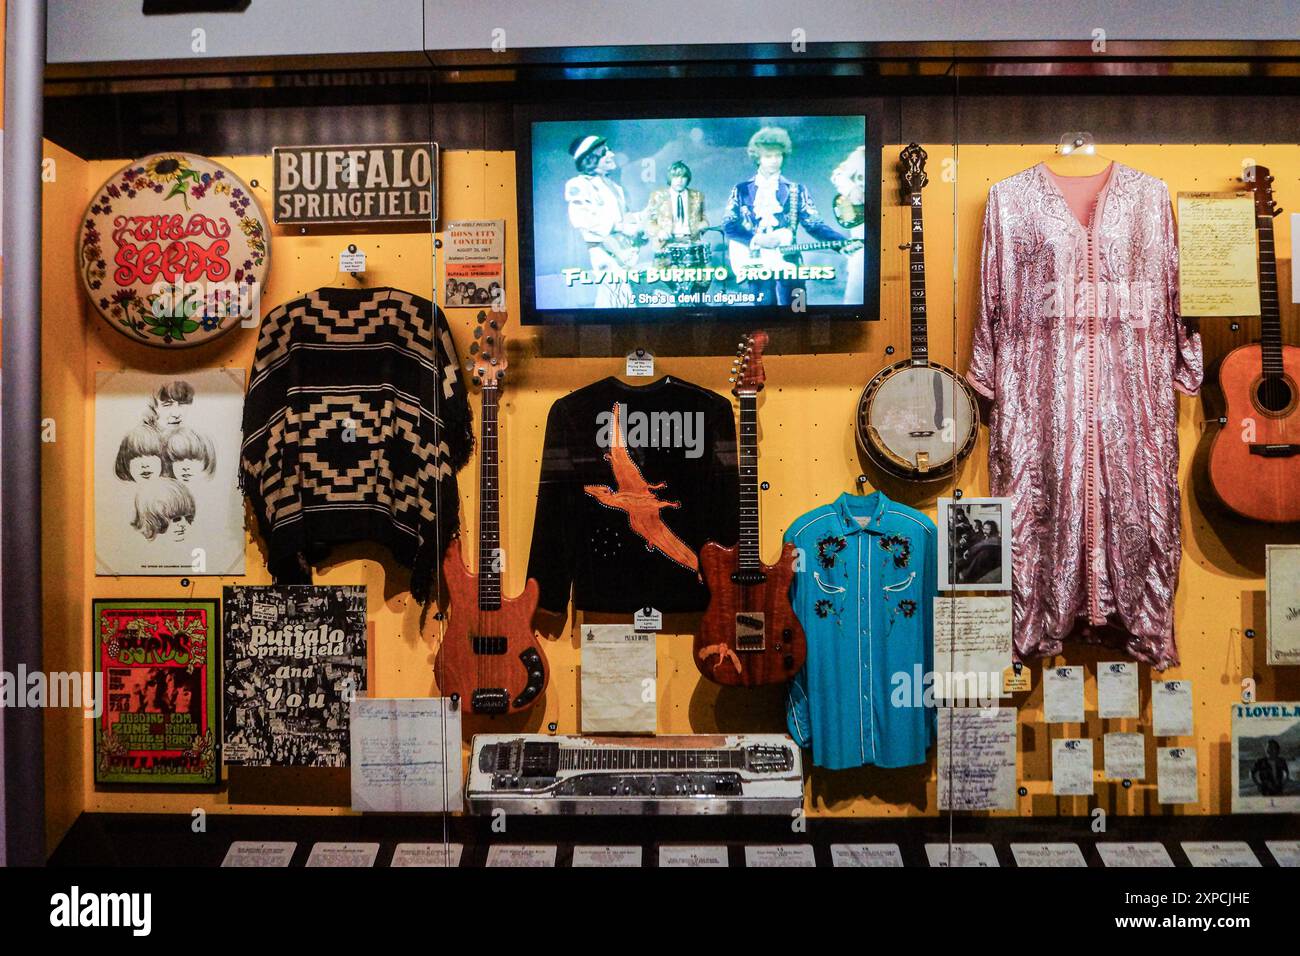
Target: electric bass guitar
[[917, 418], [749, 634], [1254, 462], [489, 656], [743, 257]]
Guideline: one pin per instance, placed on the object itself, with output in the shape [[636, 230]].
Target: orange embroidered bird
[[636, 497]]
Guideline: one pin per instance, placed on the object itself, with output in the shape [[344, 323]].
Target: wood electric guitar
[[749, 634], [489, 656], [1254, 462], [917, 419]]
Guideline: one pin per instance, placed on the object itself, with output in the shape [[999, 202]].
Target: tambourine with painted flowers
[[173, 250]]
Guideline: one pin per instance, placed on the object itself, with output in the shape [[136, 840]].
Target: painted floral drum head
[[173, 250]]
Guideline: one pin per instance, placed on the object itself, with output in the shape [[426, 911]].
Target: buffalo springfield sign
[[378, 182]]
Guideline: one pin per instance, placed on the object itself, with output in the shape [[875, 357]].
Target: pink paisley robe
[[1081, 347]]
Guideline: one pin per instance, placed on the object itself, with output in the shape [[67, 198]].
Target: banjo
[[917, 418]]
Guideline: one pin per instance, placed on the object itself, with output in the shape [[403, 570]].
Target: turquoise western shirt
[[864, 592]]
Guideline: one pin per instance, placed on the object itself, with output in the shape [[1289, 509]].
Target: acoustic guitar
[[749, 634], [1254, 464], [917, 419], [490, 656]]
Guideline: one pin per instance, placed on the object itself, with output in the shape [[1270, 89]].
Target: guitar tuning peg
[[731, 381], [1277, 211], [473, 348], [1268, 178], [478, 331]]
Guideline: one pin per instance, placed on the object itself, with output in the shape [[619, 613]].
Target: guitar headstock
[[1259, 181], [488, 364], [913, 159], [747, 373]]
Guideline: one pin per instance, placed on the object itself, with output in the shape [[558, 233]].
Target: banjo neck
[[916, 283]]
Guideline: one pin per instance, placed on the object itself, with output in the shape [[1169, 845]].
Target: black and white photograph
[[166, 472], [295, 659], [1266, 757], [975, 544]]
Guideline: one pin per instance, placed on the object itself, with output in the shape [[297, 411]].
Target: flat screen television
[[707, 214]]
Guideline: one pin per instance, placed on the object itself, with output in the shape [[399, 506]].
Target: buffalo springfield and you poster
[[295, 658], [156, 664], [1266, 757], [167, 473]]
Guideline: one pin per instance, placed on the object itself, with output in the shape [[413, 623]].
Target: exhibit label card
[[1282, 569], [259, 853], [866, 854], [1048, 854], [405, 755], [521, 855], [1063, 695], [428, 854], [1072, 767], [693, 856], [618, 680], [961, 854], [606, 856], [1218, 273], [1229, 853], [977, 758], [1117, 689], [1124, 756], [1171, 707], [800, 854], [343, 854], [1134, 854], [1265, 746], [972, 635], [1176, 780], [1285, 852]]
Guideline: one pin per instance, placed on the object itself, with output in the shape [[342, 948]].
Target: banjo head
[[917, 421]]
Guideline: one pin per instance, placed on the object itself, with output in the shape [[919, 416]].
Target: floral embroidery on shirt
[[823, 607], [828, 547], [899, 546], [907, 607]]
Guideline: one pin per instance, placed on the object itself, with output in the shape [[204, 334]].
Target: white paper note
[[693, 856], [1072, 767], [866, 854], [977, 758], [1048, 854], [1063, 695], [405, 755], [1117, 689], [972, 636], [1176, 780], [1286, 852], [1134, 854], [521, 855], [428, 854], [1171, 707], [961, 854], [1124, 756], [1229, 853], [343, 854], [606, 856], [618, 680], [1282, 574], [800, 854], [257, 853]]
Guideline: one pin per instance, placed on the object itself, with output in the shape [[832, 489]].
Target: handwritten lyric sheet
[[977, 758], [406, 755], [1218, 273]]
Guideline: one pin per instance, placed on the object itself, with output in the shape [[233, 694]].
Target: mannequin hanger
[[1076, 155]]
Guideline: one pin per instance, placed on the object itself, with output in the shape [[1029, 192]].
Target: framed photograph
[[975, 544], [166, 471], [1266, 757], [158, 692]]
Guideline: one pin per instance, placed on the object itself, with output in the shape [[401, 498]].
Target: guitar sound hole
[[1274, 394]]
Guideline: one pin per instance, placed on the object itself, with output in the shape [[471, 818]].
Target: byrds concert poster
[[295, 658], [156, 662]]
